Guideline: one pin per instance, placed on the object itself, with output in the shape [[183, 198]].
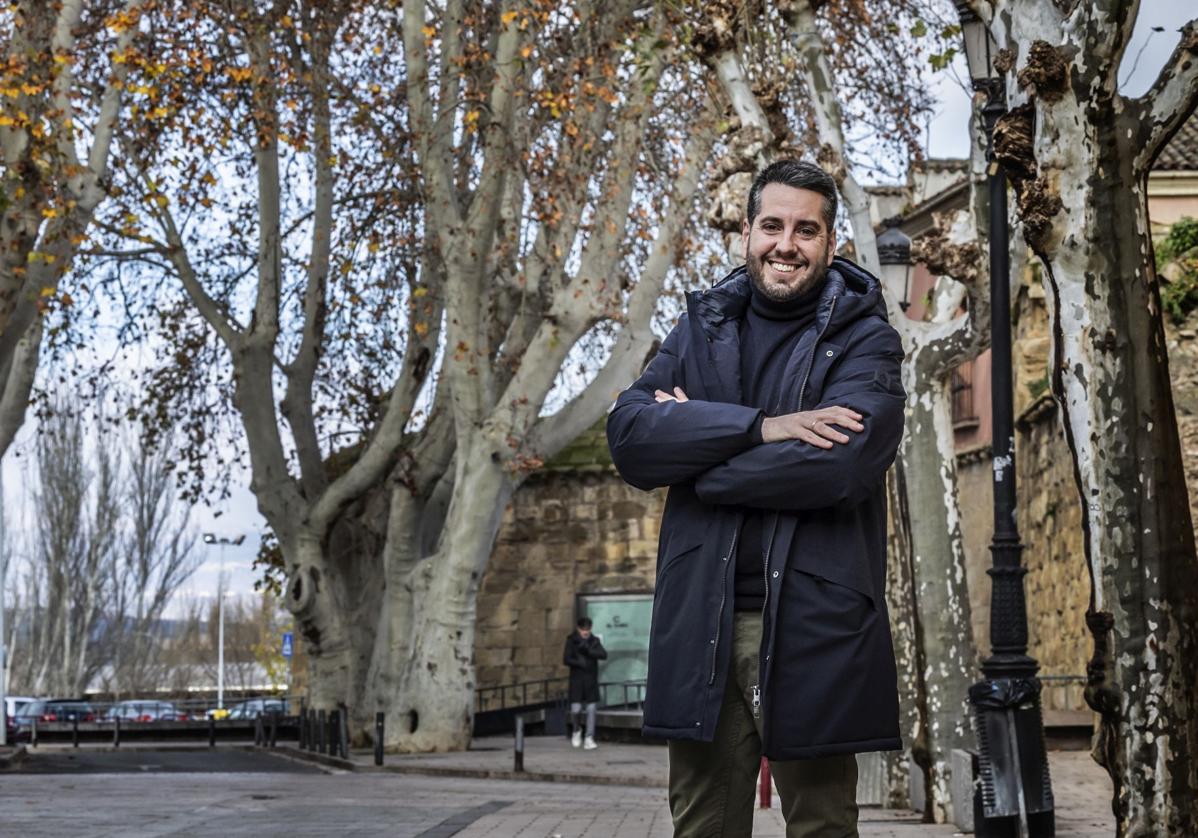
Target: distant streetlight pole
[[1016, 792], [894, 255], [221, 542]]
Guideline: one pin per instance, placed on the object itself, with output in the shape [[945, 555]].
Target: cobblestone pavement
[[231, 805]]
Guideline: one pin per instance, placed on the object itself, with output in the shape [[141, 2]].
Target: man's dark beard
[[754, 266]]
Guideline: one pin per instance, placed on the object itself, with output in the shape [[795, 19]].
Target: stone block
[[614, 552], [871, 779], [916, 791], [643, 547], [492, 657], [962, 783], [628, 509], [529, 656]]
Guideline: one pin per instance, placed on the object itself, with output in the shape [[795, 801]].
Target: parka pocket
[[673, 554], [829, 604], [851, 575], [832, 670]]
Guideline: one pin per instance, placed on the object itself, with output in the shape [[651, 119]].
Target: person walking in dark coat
[[582, 654], [772, 412]]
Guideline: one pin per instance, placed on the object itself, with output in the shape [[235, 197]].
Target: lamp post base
[[1014, 796]]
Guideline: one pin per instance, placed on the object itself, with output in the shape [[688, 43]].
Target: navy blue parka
[[827, 673]]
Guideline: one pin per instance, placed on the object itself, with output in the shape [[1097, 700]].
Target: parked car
[[13, 703], [68, 710], [37, 710], [139, 710], [250, 708]]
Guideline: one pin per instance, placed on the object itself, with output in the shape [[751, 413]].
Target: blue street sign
[[287, 643]]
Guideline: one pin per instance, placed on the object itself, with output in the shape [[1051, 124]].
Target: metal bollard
[[75, 730], [379, 719], [33, 732], [211, 732], [116, 732], [274, 728], [321, 732], [343, 732], [519, 756], [334, 726], [258, 730], [766, 791], [303, 721]]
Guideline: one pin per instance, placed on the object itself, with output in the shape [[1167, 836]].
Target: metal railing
[[529, 692], [630, 694]]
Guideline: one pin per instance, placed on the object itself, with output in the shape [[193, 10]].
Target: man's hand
[[812, 426], [663, 396]]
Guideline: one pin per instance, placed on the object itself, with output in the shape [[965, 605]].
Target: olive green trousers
[[713, 784]]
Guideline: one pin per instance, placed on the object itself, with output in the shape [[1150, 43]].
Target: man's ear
[[744, 236], [831, 245]]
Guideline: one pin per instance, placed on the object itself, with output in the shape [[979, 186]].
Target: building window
[[964, 415]]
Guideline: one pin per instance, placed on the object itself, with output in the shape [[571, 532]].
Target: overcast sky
[[947, 137]]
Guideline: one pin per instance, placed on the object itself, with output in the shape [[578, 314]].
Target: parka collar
[[857, 293]]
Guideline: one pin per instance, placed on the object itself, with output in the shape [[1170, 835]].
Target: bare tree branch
[[552, 433], [1172, 97], [296, 406]]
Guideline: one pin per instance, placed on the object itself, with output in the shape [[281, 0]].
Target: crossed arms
[[832, 454]]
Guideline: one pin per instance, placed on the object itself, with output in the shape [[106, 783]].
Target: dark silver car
[[142, 710]]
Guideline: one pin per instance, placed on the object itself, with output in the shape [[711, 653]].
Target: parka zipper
[[719, 621], [811, 360], [769, 546], [765, 605]]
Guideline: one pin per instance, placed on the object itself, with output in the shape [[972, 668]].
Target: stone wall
[[575, 527], [1183, 372], [1057, 584]]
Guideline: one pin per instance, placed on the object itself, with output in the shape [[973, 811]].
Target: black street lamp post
[[1015, 798]]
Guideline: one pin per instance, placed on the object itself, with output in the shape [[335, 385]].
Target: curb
[[528, 776], [10, 757], [292, 752], [468, 773], [107, 748]]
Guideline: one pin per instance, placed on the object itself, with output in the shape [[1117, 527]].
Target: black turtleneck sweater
[[769, 333]]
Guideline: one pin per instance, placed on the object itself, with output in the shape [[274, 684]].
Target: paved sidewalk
[[263, 805], [1081, 787], [274, 800]]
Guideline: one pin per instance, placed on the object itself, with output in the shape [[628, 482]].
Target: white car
[[13, 703]]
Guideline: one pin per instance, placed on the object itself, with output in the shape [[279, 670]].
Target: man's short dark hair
[[799, 175], [584, 622]]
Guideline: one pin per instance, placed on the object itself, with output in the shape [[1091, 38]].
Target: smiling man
[[771, 412]]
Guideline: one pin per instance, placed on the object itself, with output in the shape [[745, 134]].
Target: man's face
[[788, 247], [585, 633]]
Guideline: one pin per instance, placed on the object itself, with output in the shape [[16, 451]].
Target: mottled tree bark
[[1110, 376]]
